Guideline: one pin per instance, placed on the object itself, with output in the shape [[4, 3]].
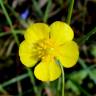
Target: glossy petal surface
[[68, 54], [26, 54], [47, 70], [61, 32], [36, 32]]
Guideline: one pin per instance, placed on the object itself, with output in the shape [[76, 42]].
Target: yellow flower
[[44, 44]]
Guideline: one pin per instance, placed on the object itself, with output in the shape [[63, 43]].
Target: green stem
[[63, 80], [9, 21], [59, 87], [59, 84], [70, 11]]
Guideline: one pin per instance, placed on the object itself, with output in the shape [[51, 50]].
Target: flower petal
[[37, 31], [61, 32], [68, 54], [26, 54], [47, 70]]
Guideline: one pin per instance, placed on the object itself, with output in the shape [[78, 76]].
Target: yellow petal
[[61, 32], [36, 32], [26, 55], [47, 70], [68, 54]]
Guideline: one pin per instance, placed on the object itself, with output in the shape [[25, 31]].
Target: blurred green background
[[16, 15]]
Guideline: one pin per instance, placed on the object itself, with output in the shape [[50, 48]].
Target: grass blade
[[70, 10], [47, 11], [9, 21], [85, 38], [14, 80]]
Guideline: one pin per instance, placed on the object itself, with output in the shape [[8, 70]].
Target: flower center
[[44, 48]]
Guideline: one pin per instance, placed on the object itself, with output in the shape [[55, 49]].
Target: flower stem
[[70, 9], [63, 80]]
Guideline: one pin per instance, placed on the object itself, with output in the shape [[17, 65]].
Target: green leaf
[[93, 75], [93, 50], [73, 87], [88, 70], [80, 74]]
